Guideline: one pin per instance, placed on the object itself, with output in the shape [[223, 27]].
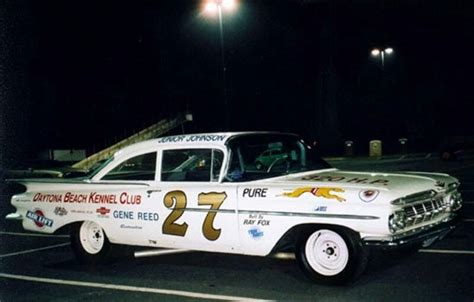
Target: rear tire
[[331, 255], [89, 243]]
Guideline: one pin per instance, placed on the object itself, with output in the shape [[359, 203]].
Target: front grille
[[426, 210]]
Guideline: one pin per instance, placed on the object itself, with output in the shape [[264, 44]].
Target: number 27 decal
[[176, 200]]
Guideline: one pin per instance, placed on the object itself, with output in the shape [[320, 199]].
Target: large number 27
[[177, 201]]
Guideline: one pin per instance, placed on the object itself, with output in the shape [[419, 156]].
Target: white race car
[[209, 192]]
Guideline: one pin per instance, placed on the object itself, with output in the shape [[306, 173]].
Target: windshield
[[259, 156]]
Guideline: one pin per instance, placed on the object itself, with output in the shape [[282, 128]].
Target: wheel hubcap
[[327, 252], [92, 237]]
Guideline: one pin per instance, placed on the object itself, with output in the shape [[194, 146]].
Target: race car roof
[[200, 139]]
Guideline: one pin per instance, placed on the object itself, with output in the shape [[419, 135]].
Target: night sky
[[81, 74]]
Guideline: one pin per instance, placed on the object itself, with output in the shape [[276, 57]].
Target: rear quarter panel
[[49, 207]]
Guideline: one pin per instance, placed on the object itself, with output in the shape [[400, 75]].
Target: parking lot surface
[[42, 267]]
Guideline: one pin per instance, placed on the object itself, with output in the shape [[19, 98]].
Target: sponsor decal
[[321, 209], [148, 216], [103, 211], [22, 200], [133, 227], [130, 215], [39, 219], [255, 233], [92, 197], [40, 197], [81, 211], [368, 195], [339, 178], [256, 219], [326, 193], [123, 215], [70, 197], [255, 192], [191, 138], [60, 211]]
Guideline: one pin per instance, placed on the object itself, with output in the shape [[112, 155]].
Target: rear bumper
[[424, 237]]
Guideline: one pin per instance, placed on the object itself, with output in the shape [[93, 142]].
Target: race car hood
[[399, 184]]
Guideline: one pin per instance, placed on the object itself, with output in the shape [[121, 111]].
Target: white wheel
[[326, 252], [89, 242], [92, 237], [331, 254]]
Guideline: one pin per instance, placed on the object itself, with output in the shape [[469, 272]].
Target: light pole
[[377, 52], [212, 7]]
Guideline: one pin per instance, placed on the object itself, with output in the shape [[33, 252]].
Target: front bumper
[[425, 237]]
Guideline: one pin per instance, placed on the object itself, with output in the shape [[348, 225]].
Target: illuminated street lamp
[[377, 52], [212, 7]]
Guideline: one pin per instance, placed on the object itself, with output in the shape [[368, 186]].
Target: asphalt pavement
[[42, 268]]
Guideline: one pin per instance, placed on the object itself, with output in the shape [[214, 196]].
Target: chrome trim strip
[[293, 214], [343, 216], [73, 181], [204, 210]]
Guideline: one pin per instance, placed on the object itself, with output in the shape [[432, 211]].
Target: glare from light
[[375, 52], [228, 4], [284, 256], [388, 50], [211, 7]]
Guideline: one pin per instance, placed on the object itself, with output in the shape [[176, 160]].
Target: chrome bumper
[[425, 237]]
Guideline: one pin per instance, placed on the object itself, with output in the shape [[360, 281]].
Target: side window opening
[[191, 165], [140, 167]]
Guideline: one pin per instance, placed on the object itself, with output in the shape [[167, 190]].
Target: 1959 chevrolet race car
[[213, 192]]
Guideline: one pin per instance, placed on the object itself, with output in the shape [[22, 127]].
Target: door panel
[[197, 216]]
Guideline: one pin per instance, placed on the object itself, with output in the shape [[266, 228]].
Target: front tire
[[331, 255], [89, 243]]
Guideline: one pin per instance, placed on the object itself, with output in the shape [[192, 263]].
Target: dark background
[[82, 74]]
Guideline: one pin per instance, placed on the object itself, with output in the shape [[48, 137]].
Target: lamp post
[[212, 7], [377, 52]]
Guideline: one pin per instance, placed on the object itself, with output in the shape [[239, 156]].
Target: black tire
[[89, 243], [331, 255]]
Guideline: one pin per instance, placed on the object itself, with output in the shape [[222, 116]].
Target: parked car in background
[[39, 168], [269, 157], [205, 192], [457, 148]]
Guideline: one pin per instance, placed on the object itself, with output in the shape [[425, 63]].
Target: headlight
[[455, 201], [453, 185], [397, 221]]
